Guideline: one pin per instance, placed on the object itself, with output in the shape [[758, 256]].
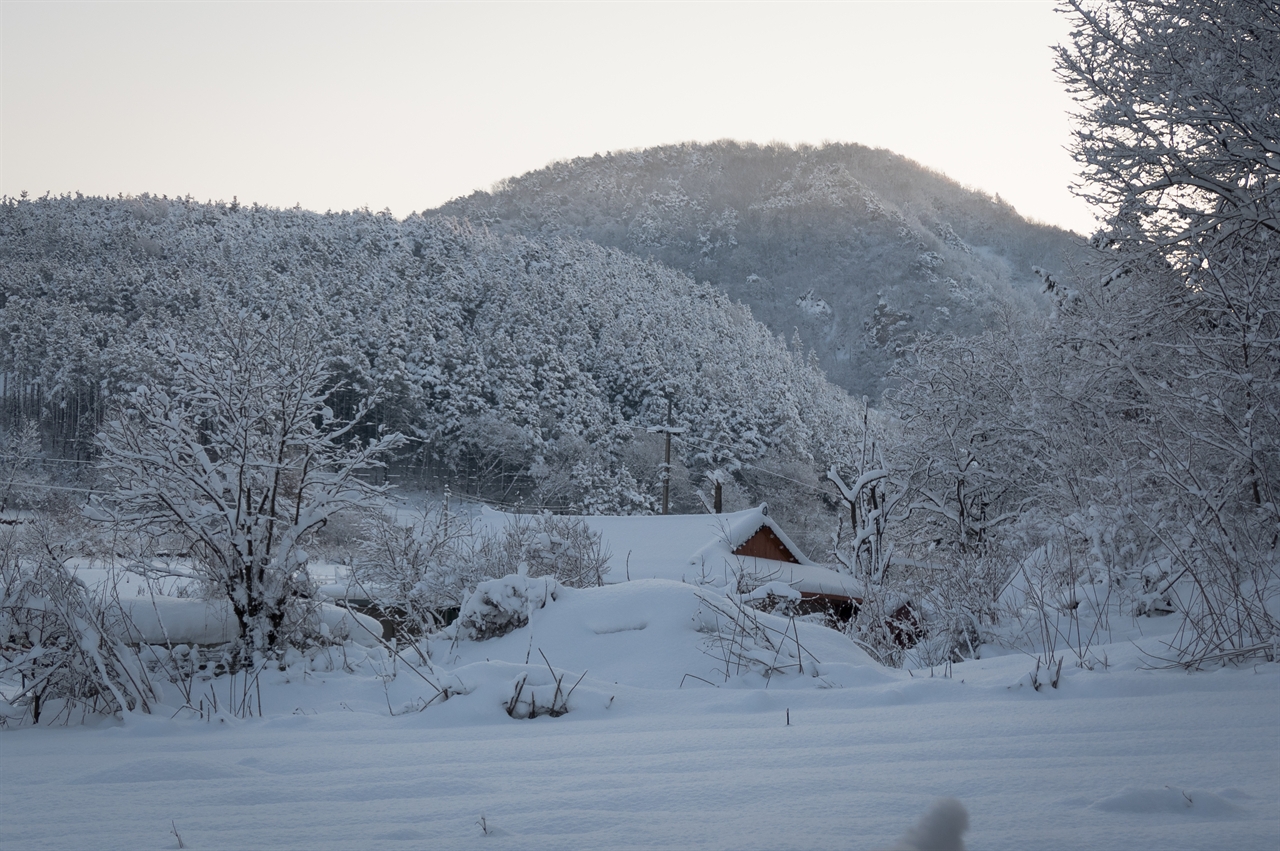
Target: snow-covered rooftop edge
[[696, 549]]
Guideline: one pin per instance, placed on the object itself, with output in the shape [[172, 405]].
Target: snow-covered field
[[1123, 758]]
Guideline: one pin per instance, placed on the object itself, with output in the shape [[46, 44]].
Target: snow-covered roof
[[698, 549], [152, 618]]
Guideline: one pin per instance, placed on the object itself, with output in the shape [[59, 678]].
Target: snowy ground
[[1113, 759]]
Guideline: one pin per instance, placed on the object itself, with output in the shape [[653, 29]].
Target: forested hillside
[[859, 250], [528, 368]]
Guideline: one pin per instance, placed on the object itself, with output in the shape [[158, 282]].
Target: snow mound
[[649, 633], [1168, 800]]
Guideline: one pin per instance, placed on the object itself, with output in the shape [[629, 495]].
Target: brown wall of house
[[765, 544]]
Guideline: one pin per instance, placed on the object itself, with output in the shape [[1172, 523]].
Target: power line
[[709, 441], [804, 485], [24, 485], [44, 460]]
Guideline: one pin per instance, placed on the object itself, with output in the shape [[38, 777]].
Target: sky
[[404, 105]]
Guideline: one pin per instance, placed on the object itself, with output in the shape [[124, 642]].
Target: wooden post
[[718, 502]]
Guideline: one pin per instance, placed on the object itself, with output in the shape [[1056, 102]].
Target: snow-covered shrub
[[947, 636], [500, 606], [61, 650], [776, 598], [416, 572], [924, 615], [563, 548], [743, 639], [534, 694], [955, 602], [419, 571], [1155, 598], [1230, 592], [1057, 610], [885, 624]]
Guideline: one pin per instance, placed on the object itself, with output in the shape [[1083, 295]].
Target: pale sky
[[406, 105]]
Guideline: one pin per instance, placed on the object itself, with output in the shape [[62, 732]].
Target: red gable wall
[[765, 544]]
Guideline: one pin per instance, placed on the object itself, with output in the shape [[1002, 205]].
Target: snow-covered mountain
[[858, 250], [529, 365]]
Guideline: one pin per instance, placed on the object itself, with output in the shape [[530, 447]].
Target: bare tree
[[863, 546], [240, 457], [1177, 137], [1177, 128]]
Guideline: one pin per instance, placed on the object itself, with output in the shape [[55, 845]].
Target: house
[[745, 549]]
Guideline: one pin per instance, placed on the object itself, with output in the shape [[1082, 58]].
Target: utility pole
[[668, 429]]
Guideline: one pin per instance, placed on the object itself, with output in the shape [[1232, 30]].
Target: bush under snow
[[499, 606]]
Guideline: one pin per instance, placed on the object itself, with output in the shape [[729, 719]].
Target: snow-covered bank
[[1113, 759]]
